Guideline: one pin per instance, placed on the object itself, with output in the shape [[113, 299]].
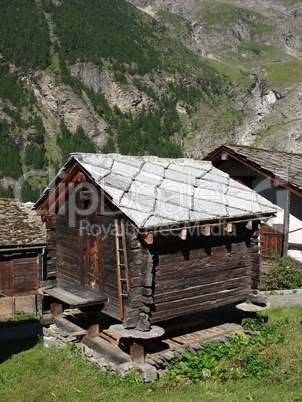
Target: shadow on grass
[[15, 323], [15, 346]]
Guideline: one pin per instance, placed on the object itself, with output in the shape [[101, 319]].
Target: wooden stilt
[[137, 353]]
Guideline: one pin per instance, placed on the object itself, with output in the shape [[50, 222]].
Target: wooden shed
[[277, 176], [22, 241], [146, 239]]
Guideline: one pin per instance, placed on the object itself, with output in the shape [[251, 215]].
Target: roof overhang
[[223, 153]]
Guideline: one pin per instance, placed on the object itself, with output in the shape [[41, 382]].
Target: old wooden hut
[[146, 239], [277, 177], [22, 241]]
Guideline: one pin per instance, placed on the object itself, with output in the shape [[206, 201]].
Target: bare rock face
[[272, 116], [126, 97], [62, 103]]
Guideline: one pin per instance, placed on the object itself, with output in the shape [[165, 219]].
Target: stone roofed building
[[19, 225], [22, 240], [277, 176], [149, 239]]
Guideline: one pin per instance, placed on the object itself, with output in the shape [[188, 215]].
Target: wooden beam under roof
[[53, 193], [149, 238]]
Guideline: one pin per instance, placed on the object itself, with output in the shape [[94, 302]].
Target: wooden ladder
[[122, 264]]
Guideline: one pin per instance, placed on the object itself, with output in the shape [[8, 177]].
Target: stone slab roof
[[282, 165], [155, 192], [19, 226]]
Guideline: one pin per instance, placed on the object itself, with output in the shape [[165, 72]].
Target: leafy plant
[[282, 274], [242, 357]]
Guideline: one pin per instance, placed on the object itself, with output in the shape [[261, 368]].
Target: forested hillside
[[104, 76]]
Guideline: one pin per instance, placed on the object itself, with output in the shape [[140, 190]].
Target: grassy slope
[[45, 374]]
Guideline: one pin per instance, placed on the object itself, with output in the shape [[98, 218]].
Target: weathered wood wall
[[19, 273], [68, 256], [51, 244], [203, 273], [69, 251]]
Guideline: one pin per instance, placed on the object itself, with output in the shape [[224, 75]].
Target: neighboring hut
[[277, 176], [146, 239], [22, 241]]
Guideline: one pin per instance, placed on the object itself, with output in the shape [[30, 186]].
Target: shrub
[[282, 274]]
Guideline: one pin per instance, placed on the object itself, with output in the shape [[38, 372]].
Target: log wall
[[201, 274], [69, 253], [51, 244]]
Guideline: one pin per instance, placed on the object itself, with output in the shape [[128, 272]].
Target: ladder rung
[[119, 235], [121, 265], [120, 249], [123, 280], [124, 294]]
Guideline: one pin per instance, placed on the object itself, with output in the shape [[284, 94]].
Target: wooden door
[[91, 262], [6, 275], [271, 239]]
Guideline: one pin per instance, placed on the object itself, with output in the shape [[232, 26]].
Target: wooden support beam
[[56, 308], [295, 246], [47, 319], [110, 352], [52, 193], [93, 328], [137, 353], [286, 222], [183, 234], [249, 225], [61, 193], [149, 238], [206, 231], [229, 227]]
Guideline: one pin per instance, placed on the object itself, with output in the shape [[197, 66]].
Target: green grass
[[181, 26], [233, 73], [224, 14], [285, 73], [43, 374]]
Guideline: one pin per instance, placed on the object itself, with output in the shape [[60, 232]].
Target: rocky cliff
[[225, 72], [259, 39]]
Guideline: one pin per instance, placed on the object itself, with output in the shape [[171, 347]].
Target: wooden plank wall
[[189, 277], [19, 274], [51, 244], [67, 250], [106, 222], [255, 255], [68, 255], [140, 294]]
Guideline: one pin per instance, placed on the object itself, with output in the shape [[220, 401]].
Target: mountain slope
[[259, 39], [172, 79]]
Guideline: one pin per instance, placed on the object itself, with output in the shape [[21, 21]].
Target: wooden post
[[56, 308], [286, 222], [137, 353], [93, 328], [183, 234], [229, 227], [206, 230]]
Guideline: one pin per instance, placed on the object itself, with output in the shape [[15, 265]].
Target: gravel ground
[[283, 298]]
